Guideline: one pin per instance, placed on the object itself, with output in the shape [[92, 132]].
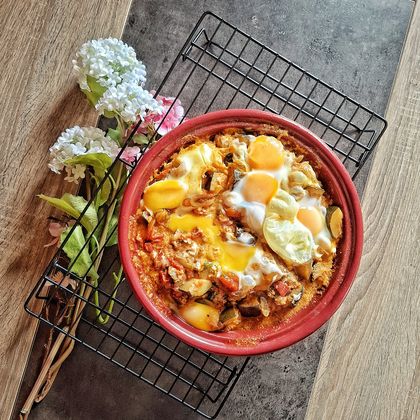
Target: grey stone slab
[[355, 46]]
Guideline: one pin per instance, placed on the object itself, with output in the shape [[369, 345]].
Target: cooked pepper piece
[[282, 288], [230, 282]]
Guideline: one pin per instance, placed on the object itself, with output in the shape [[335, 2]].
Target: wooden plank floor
[[369, 367], [39, 99]]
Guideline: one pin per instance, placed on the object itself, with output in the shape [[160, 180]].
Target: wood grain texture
[[39, 99], [369, 366]]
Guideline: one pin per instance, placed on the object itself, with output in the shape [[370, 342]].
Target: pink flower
[[130, 154], [162, 122]]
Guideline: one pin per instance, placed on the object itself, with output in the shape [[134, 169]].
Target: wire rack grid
[[218, 67]]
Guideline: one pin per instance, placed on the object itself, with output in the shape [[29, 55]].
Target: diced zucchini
[[250, 306], [230, 315], [196, 287], [334, 220]]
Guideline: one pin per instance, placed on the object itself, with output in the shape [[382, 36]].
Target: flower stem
[[88, 188], [117, 281], [26, 409]]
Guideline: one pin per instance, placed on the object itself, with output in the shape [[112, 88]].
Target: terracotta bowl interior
[[336, 181]]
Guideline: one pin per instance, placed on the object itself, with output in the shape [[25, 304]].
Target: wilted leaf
[[59, 278]]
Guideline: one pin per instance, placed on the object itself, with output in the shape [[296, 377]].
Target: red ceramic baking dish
[[333, 176]]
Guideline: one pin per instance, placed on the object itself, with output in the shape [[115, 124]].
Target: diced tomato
[[282, 288], [157, 238], [165, 279], [230, 282], [150, 228], [175, 264], [148, 246]]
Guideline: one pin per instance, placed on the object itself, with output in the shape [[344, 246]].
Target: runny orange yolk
[[311, 218], [259, 187], [265, 153], [232, 256], [166, 194]]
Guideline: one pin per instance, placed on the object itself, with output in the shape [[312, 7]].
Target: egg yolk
[[259, 187], [311, 218], [232, 257], [265, 153], [166, 194]]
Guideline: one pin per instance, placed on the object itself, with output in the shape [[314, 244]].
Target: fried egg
[[297, 230], [265, 152], [312, 214], [183, 180], [259, 265]]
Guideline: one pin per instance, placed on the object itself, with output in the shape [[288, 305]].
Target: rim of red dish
[[308, 319]]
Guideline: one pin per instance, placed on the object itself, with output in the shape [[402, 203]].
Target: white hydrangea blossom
[[110, 62], [77, 141], [114, 66], [128, 100]]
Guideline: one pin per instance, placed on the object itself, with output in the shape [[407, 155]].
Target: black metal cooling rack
[[218, 67]]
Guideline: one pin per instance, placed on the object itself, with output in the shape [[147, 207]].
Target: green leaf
[[73, 205], [98, 161], [109, 114], [113, 236], [61, 204], [76, 243], [140, 139], [90, 218], [91, 97], [97, 89], [103, 194], [115, 134]]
